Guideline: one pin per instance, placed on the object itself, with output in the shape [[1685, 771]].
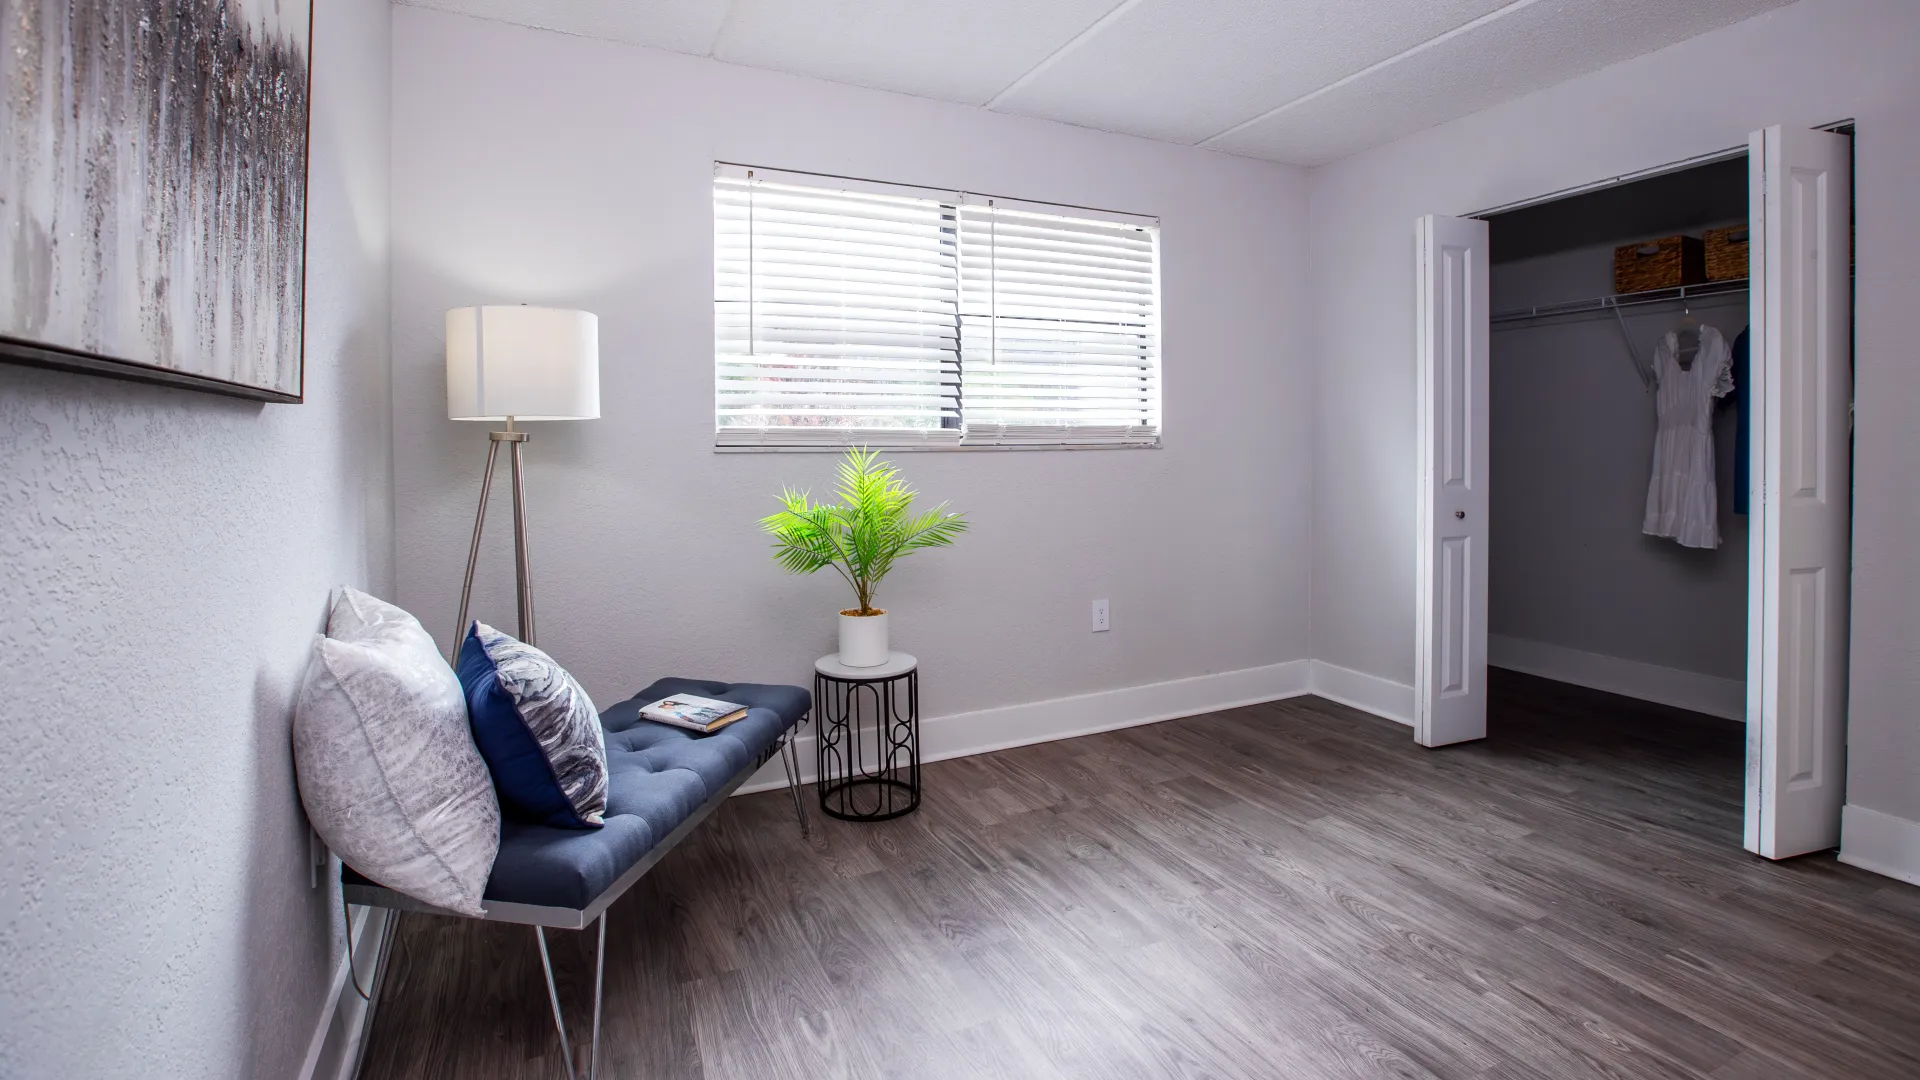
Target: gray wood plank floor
[[1289, 890]]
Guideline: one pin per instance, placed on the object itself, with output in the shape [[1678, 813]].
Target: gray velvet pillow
[[388, 771]]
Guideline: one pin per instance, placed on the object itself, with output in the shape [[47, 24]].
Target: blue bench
[[662, 782]]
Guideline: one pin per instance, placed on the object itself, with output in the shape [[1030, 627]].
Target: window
[[856, 313]]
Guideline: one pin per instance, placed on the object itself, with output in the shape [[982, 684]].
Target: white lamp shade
[[530, 363]]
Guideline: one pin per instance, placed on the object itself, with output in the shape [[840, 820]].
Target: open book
[[694, 713]]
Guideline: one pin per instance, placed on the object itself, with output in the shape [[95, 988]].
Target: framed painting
[[153, 190]]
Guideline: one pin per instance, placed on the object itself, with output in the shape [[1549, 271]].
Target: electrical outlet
[[1100, 616]]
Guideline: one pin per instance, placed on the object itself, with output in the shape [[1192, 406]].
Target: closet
[[1584, 294], [1535, 443]]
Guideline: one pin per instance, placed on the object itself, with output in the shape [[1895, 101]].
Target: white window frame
[[963, 431]]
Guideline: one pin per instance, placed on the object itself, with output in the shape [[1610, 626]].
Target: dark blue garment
[[1743, 422]]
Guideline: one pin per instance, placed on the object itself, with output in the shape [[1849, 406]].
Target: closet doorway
[[1608, 498]]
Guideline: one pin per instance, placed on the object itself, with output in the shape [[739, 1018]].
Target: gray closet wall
[[1572, 441]]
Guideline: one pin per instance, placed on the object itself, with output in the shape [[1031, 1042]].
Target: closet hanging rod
[[1623, 300]]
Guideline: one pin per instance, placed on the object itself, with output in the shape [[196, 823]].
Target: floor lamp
[[516, 364]]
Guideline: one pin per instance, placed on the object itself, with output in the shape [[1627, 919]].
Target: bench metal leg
[[790, 758], [553, 997], [387, 931], [599, 981]]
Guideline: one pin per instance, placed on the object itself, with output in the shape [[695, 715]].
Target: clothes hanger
[[1686, 337]]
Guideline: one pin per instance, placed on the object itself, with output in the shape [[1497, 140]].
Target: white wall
[[165, 561], [1571, 451], [533, 166], [1808, 64]]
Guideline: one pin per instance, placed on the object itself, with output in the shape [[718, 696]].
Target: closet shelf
[[1623, 300]]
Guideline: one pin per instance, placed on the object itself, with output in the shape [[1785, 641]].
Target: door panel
[[1800, 186], [1450, 695], [1455, 556]]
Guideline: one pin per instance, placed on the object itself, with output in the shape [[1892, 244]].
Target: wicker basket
[[1727, 253], [1666, 263]]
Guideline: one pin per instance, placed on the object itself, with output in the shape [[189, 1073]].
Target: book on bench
[[694, 713]]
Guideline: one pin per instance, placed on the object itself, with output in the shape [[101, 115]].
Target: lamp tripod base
[[523, 577]]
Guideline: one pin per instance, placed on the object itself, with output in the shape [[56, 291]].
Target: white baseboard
[[1368, 693], [987, 730], [334, 1052], [1881, 843], [1726, 698]]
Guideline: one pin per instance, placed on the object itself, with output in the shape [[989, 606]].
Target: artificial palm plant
[[863, 534]]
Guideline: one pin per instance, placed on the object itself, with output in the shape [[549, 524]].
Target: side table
[[866, 745]]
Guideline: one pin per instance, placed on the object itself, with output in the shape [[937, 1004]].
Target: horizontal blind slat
[[879, 309], [837, 393], [1023, 228], [822, 294], [976, 281], [801, 436], [738, 338]]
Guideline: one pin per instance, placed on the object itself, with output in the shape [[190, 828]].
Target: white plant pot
[[863, 640]]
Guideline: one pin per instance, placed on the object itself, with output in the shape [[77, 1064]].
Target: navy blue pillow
[[537, 730]]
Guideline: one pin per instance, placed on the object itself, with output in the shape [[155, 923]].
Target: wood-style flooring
[[1292, 890]]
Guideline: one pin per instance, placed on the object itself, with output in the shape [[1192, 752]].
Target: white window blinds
[[1059, 328], [852, 313]]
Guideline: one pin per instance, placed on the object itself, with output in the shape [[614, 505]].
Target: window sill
[[976, 448]]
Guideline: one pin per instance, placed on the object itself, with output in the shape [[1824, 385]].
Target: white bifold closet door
[[1802, 395], [1450, 658]]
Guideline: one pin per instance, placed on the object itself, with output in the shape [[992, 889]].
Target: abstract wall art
[[153, 175]]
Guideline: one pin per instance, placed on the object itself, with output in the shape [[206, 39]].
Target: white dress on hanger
[[1682, 501]]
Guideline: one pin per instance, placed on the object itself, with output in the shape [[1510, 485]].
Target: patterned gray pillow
[[387, 768], [537, 730]]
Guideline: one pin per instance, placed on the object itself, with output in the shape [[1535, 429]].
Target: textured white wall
[[1814, 62], [532, 166], [165, 559], [1572, 448]]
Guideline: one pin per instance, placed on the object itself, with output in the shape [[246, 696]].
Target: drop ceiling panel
[[687, 26], [1297, 81], [958, 50], [1184, 71], [1527, 49]]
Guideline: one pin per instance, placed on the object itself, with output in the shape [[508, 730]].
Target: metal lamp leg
[[790, 759], [473, 553], [522, 570], [553, 998]]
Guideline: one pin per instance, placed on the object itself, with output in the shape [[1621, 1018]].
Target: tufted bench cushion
[[657, 776]]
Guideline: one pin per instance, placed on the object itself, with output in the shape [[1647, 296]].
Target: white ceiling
[[1297, 81]]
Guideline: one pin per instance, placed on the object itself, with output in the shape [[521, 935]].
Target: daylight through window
[[856, 313]]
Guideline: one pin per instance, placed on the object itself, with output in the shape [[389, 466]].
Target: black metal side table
[[867, 747]]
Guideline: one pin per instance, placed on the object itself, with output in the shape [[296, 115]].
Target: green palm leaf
[[864, 533]]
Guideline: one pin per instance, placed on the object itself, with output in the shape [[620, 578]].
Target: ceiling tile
[[687, 26], [960, 50], [1184, 71], [1527, 49], [1262, 78]]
